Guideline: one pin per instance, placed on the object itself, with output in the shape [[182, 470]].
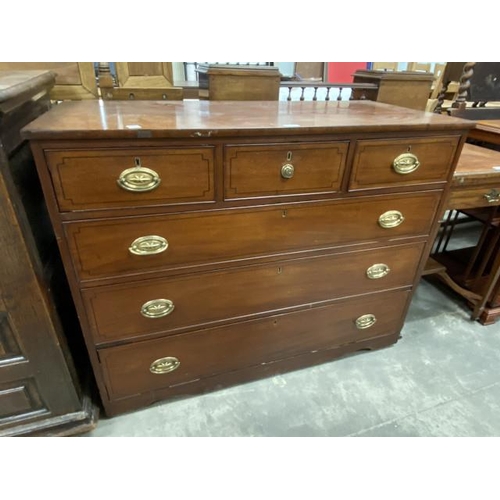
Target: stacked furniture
[[209, 243]]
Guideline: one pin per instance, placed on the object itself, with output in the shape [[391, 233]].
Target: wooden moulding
[[142, 81], [74, 80]]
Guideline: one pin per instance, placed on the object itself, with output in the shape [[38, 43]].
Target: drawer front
[[400, 162], [486, 196], [185, 358], [277, 170], [101, 248], [117, 178], [170, 304]]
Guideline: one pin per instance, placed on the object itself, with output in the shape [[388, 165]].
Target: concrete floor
[[441, 379]]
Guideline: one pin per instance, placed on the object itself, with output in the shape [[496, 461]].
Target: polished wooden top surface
[[145, 119], [476, 162]]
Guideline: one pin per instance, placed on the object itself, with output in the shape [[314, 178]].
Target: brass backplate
[[365, 321], [493, 196], [405, 163], [139, 179], [377, 271], [157, 308], [148, 245], [164, 365], [391, 218]]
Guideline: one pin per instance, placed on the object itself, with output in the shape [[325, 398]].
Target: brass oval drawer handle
[[287, 171], [365, 321], [164, 365], [138, 179], [391, 218], [148, 245], [493, 196], [157, 308], [377, 271], [405, 163]]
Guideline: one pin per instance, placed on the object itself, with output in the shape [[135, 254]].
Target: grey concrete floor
[[441, 379]]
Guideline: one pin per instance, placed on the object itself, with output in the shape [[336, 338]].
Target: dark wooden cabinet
[[39, 391], [209, 243]]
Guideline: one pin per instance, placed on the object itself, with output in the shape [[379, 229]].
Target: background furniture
[[239, 83], [409, 89], [139, 80], [473, 271], [74, 80], [217, 242], [487, 132], [39, 390]]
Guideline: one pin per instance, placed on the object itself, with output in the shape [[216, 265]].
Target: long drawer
[[130, 177], [170, 304], [141, 245], [145, 366]]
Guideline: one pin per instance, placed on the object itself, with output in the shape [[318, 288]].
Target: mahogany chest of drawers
[[210, 243]]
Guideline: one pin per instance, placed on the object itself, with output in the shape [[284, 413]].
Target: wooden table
[[474, 272], [487, 131]]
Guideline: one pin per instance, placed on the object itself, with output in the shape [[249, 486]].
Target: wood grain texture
[[87, 179], [222, 350], [100, 248], [256, 170], [409, 89], [200, 299], [144, 93], [268, 275], [134, 75], [248, 374], [239, 83], [373, 161], [202, 119]]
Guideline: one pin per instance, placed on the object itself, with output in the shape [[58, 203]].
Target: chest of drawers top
[[105, 157], [206, 119]]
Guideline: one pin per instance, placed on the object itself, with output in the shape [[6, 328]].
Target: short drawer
[[474, 197], [141, 245], [402, 162], [156, 364], [118, 178], [266, 170], [170, 304]]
